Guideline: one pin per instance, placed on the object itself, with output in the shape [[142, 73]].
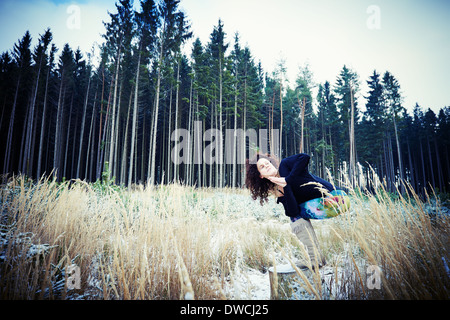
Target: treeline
[[65, 115]]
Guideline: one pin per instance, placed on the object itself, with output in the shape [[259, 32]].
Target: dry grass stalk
[[155, 243]]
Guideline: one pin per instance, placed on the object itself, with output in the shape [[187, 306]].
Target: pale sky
[[409, 38]]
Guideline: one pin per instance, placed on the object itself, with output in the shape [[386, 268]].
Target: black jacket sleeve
[[293, 167], [289, 202], [325, 183]]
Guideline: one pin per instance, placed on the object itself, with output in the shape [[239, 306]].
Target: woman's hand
[[278, 180]]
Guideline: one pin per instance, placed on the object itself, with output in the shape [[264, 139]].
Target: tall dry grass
[[169, 242], [398, 240], [178, 242]]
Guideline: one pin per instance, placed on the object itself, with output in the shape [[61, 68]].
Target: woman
[[293, 185]]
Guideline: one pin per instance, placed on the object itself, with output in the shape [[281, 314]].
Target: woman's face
[[265, 168]]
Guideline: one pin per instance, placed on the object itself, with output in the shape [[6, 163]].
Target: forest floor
[[178, 242]]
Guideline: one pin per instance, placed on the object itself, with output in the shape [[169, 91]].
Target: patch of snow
[[248, 284]]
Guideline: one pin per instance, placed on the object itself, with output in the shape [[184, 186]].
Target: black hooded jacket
[[295, 170]]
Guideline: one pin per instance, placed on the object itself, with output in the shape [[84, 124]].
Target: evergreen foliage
[[63, 115]]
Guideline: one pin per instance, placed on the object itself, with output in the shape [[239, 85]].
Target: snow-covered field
[[176, 242]]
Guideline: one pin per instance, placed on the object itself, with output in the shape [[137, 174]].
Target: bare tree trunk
[[447, 162], [302, 115], [189, 167], [56, 150], [423, 165], [115, 165], [431, 164], [151, 177], [177, 95], [391, 159], [72, 147], [143, 153], [439, 167], [150, 147], [124, 161], [99, 146], [41, 139], [67, 138], [281, 118], [88, 175], [400, 162], [169, 164], [30, 126], [211, 167], [271, 142], [244, 129], [33, 145], [113, 113], [134, 121], [220, 157], [411, 168], [352, 140], [22, 143], [233, 184], [6, 167], [82, 127]]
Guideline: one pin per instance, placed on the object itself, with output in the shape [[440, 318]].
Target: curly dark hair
[[259, 187]]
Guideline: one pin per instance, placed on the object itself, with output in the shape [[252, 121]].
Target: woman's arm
[[294, 166], [278, 180], [289, 202]]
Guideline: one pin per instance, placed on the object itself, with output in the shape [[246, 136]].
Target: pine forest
[[65, 116], [123, 174]]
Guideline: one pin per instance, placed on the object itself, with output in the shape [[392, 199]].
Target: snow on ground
[[252, 284]]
